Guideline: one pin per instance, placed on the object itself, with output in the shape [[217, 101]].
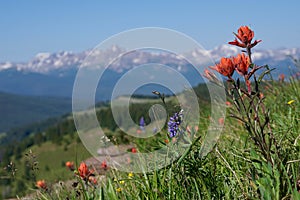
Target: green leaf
[[268, 71]]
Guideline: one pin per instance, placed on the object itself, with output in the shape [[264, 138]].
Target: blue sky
[[33, 26]]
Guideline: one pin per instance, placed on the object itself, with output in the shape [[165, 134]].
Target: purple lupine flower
[[174, 123], [142, 123]]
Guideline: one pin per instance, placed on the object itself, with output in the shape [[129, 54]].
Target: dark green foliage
[[20, 188], [18, 110]]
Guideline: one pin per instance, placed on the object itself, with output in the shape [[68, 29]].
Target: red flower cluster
[[241, 62], [226, 67], [84, 171], [86, 174], [244, 37]]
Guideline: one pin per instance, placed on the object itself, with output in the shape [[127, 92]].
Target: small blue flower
[[174, 123], [142, 123]]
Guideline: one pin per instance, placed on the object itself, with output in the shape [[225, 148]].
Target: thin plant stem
[[229, 167]]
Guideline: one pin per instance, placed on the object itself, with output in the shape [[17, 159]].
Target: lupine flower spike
[[142, 123], [174, 123]]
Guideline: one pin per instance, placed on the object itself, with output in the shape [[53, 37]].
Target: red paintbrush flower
[[133, 150], [83, 170], [225, 67], [244, 37], [104, 165], [241, 63], [41, 184], [70, 165]]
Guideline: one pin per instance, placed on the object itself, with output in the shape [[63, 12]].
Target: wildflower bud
[[41, 184], [133, 150], [281, 78], [70, 165], [228, 103], [211, 76], [221, 121], [93, 180], [104, 165], [130, 175]]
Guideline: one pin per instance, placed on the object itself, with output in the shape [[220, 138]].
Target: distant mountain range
[[53, 74]]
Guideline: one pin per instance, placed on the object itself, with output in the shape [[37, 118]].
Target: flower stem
[[248, 48]]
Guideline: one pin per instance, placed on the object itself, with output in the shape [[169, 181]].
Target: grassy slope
[[226, 172], [55, 156], [51, 160], [52, 157], [223, 172]]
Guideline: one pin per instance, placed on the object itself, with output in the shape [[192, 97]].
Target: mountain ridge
[[45, 62], [54, 74]]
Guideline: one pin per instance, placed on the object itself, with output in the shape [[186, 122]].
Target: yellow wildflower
[[119, 189], [290, 102], [130, 175]]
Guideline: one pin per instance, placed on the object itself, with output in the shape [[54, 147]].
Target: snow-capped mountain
[[47, 62], [258, 55], [54, 73]]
